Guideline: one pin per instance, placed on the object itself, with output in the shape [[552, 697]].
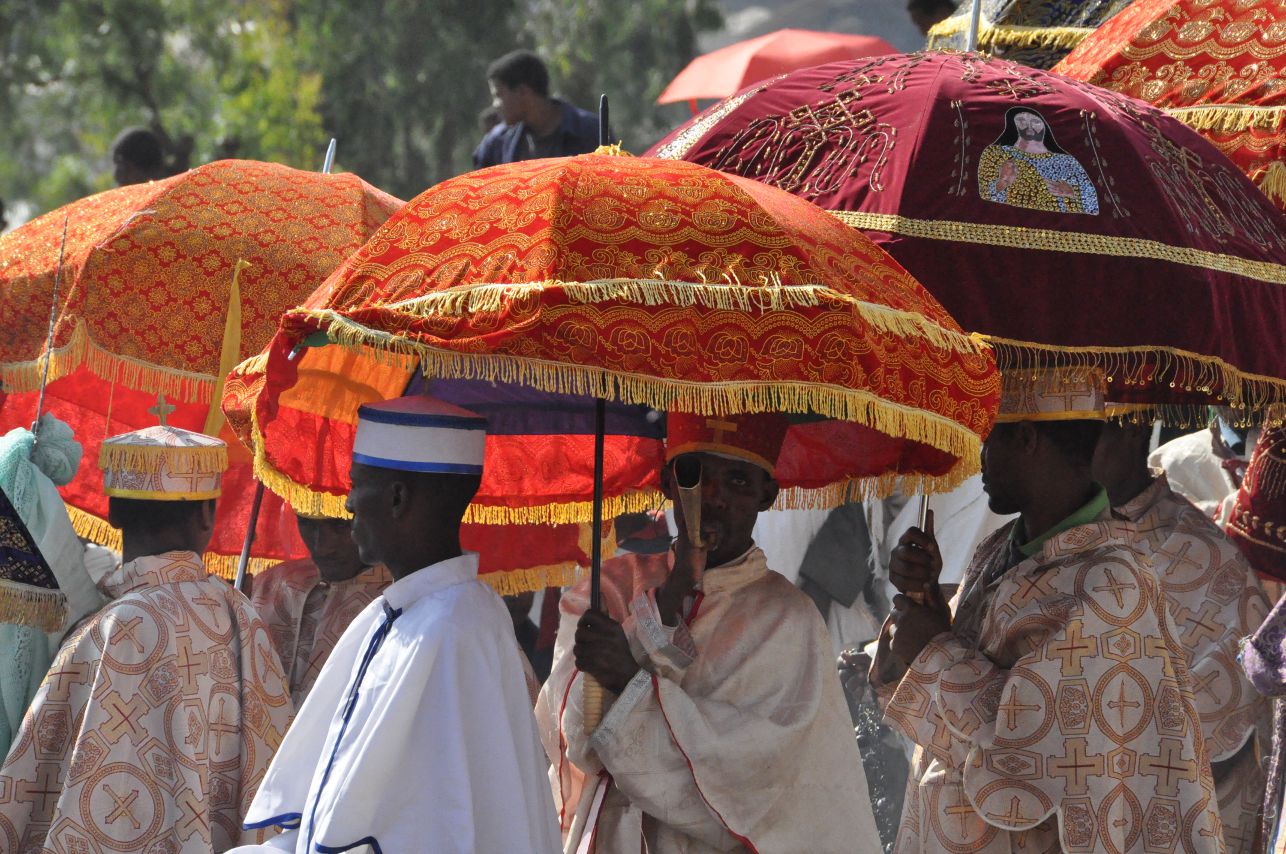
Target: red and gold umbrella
[[650, 284], [1034, 32], [154, 298], [1063, 223], [1216, 65]]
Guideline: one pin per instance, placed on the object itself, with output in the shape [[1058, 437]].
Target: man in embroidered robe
[[418, 734], [1206, 467], [1053, 711], [1215, 601], [308, 603], [159, 714], [727, 728]]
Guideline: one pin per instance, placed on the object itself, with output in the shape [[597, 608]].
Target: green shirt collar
[[1091, 511]]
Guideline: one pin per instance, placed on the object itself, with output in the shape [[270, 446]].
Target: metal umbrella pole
[[243, 561]]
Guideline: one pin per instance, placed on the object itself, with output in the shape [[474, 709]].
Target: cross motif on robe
[[1180, 558], [1168, 766], [124, 806], [221, 727], [1012, 707], [1013, 816], [45, 786], [1114, 587], [126, 630], [189, 660], [961, 809], [121, 717], [1202, 624], [1073, 649], [161, 410], [212, 605], [194, 813], [1202, 685], [720, 428], [1120, 704], [1076, 766], [59, 689]]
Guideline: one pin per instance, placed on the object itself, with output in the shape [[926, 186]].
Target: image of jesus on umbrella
[[1026, 168]]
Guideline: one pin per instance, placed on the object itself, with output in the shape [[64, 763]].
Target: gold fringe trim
[[1179, 369], [178, 459], [302, 500], [24, 605], [574, 512], [185, 386], [96, 530], [535, 578], [855, 405], [1019, 237], [1229, 118], [257, 364], [1272, 181], [488, 297], [992, 36]]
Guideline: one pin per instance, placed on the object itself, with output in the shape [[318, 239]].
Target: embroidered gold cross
[[162, 409], [720, 428]]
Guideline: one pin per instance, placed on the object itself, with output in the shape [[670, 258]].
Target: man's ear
[[771, 488], [1027, 436], [206, 518], [399, 499]]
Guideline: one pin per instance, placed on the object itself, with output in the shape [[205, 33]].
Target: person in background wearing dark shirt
[[533, 125]]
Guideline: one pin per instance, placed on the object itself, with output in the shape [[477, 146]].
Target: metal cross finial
[[162, 409]]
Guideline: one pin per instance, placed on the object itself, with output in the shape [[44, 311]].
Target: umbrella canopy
[[1064, 223], [1215, 66], [730, 69], [164, 288], [650, 284], [1034, 32]]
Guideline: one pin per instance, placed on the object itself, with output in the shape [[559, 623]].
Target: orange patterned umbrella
[[1215, 65], [153, 300], [643, 282]]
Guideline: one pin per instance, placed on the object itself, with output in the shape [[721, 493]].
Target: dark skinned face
[[733, 494], [371, 502], [1001, 457], [330, 543]]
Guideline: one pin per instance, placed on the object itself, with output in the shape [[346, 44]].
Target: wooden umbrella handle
[[591, 703]]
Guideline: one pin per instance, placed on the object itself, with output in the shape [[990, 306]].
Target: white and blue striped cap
[[420, 433]]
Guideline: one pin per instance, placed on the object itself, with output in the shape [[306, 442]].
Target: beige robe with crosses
[[1057, 713]]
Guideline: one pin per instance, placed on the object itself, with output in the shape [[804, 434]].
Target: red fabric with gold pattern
[[143, 303], [1213, 64], [655, 283], [1112, 236], [755, 438], [1258, 520]]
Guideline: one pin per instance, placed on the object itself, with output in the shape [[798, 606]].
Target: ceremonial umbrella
[[1034, 32], [730, 69], [646, 284], [165, 286], [1216, 65], [1064, 223]]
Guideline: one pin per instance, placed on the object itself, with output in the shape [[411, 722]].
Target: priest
[[1215, 600], [309, 602], [417, 734], [1052, 710], [161, 711], [725, 727]]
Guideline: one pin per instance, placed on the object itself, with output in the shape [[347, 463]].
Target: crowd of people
[[1073, 652]]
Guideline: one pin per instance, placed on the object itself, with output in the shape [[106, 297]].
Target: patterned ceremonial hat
[[1258, 520], [1052, 394], [163, 463], [756, 438], [29, 594], [420, 433]]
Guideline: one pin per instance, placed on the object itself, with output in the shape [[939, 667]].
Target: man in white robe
[[725, 727], [418, 734]]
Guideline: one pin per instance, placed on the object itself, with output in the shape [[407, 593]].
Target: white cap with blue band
[[420, 433]]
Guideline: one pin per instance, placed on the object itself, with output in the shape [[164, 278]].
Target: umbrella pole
[[592, 709], [975, 20], [244, 560], [49, 339]]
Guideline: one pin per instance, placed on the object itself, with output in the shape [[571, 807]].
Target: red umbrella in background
[[164, 287], [730, 69], [1215, 65], [1064, 223]]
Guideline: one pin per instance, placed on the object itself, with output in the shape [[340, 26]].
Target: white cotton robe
[[418, 734]]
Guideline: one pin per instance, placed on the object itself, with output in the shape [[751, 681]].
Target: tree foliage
[[400, 83]]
